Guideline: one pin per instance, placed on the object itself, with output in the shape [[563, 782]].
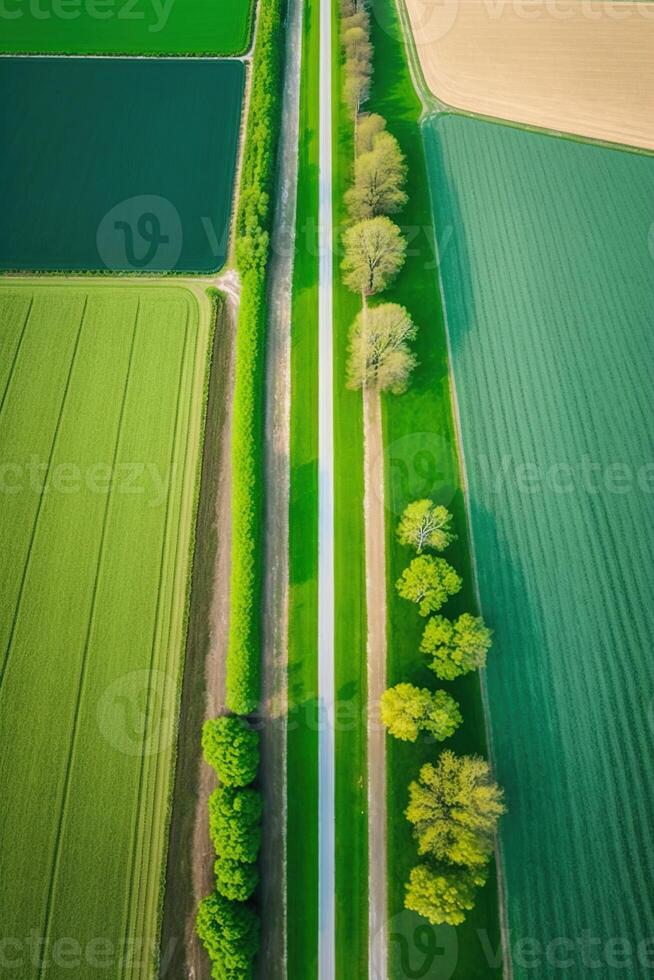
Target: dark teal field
[[548, 276], [149, 27], [118, 164]]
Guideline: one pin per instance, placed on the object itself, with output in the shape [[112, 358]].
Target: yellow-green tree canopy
[[379, 179], [429, 582], [426, 525], [457, 647], [442, 896], [407, 710], [454, 807]]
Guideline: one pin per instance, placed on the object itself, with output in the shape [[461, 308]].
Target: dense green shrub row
[[227, 921], [253, 230]]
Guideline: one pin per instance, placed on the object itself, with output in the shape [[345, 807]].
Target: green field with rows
[[124, 165], [547, 265], [148, 27], [101, 405]]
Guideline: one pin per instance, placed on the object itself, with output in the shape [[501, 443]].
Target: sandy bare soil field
[[579, 66]]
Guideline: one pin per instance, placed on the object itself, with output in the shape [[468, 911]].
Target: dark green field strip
[[421, 459], [302, 826], [127, 27], [73, 198], [350, 597], [550, 314], [100, 624]]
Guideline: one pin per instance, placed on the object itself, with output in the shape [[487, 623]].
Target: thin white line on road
[[326, 688]]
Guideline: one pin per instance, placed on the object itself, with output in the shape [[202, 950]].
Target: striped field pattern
[[100, 418], [548, 275]]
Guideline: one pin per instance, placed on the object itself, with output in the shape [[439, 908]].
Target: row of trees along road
[[454, 805], [374, 247]]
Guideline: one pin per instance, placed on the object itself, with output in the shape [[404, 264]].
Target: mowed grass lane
[[129, 27], [99, 435], [549, 291], [302, 822]]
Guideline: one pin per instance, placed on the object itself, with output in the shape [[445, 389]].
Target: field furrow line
[[7, 652], [84, 665]]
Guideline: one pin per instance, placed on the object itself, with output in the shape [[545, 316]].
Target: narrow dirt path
[[274, 701], [203, 856], [376, 608]]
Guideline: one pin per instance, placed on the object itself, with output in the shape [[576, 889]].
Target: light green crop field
[[101, 405], [130, 27], [548, 274]]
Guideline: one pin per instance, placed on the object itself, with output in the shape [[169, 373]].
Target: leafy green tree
[[457, 647], [229, 931], [442, 896], [379, 353], [454, 808], [379, 179], [407, 710], [374, 254], [426, 525], [236, 880], [429, 582], [235, 823], [369, 126], [231, 747]]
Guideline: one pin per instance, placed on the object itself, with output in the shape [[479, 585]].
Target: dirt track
[[577, 66], [376, 613]]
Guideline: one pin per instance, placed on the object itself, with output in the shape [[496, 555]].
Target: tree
[[229, 931], [426, 525], [231, 747], [236, 880], [442, 896], [379, 178], [356, 89], [454, 808], [456, 647], [235, 823], [379, 353], [369, 127], [407, 710], [429, 582], [374, 254]]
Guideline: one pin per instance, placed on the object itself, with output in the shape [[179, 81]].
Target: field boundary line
[[16, 354], [499, 862], [140, 819], [53, 446], [85, 655], [154, 872]]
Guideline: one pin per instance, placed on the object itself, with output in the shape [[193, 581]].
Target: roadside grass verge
[[350, 587], [302, 819], [421, 459]]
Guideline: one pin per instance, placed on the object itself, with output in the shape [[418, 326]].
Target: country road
[[326, 692]]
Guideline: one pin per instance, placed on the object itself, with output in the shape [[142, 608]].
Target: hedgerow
[[252, 245], [231, 747]]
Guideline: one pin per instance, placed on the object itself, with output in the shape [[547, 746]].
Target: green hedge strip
[[253, 230]]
